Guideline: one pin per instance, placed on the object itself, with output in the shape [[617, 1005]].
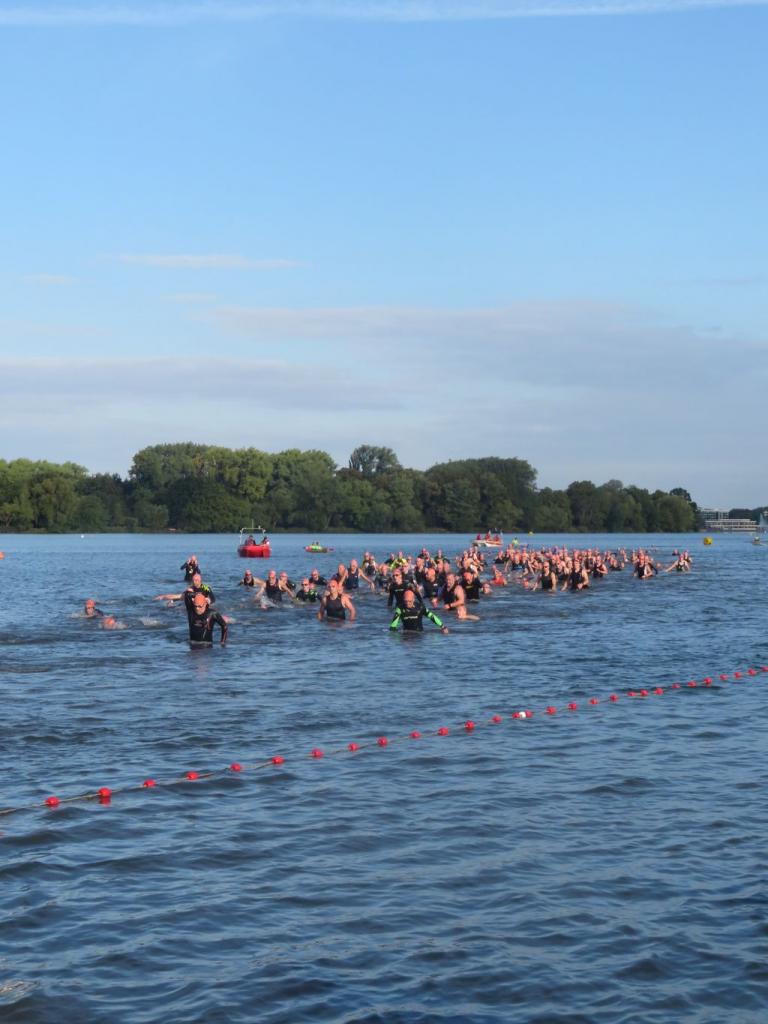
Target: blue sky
[[508, 227]]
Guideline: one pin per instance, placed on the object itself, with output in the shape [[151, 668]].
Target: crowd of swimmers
[[416, 587]]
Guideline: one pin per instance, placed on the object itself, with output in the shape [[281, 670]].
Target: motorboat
[[249, 547]]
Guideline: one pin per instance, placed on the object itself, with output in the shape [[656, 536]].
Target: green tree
[[369, 460]]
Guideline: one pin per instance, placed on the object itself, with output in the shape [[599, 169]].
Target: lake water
[[608, 864]]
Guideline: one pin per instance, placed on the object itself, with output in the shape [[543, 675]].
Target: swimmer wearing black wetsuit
[[190, 567], [202, 621], [335, 604], [471, 586], [397, 589]]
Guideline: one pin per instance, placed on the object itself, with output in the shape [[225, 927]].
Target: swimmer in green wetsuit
[[411, 613]]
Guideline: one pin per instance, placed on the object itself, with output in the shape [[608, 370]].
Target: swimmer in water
[[105, 621], [197, 587], [411, 613], [336, 604], [307, 594], [190, 567], [248, 580], [202, 621]]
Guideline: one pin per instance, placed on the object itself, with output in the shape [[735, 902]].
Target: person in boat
[[196, 587], [190, 567], [306, 594], [264, 540], [411, 613], [202, 621], [336, 604], [250, 542], [248, 580]]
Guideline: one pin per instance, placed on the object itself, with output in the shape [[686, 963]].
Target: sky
[[520, 228]]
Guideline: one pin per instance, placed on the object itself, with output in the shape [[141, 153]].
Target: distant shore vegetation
[[200, 488]]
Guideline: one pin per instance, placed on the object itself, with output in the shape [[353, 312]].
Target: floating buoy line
[[104, 794]]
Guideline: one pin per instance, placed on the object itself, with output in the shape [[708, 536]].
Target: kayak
[[317, 549]]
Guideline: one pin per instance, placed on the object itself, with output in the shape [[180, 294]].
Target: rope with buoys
[[104, 794]]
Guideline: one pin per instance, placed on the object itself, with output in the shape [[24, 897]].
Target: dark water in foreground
[[607, 865]]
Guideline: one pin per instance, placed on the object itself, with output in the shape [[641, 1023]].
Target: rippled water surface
[[607, 864]]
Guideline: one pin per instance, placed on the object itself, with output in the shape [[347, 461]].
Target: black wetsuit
[[547, 582], [307, 595], [317, 581], [189, 569], [577, 580], [201, 625], [352, 580], [431, 589], [247, 581], [396, 591], [334, 608], [471, 588], [273, 592], [411, 618]]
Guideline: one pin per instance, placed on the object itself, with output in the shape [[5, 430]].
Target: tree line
[[205, 488]]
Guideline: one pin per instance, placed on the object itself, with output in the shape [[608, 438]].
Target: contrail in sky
[[156, 12]]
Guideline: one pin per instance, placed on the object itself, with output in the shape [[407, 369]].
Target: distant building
[[715, 520]]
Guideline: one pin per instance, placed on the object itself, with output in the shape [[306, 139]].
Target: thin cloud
[[206, 261], [49, 280], [163, 13], [150, 381]]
